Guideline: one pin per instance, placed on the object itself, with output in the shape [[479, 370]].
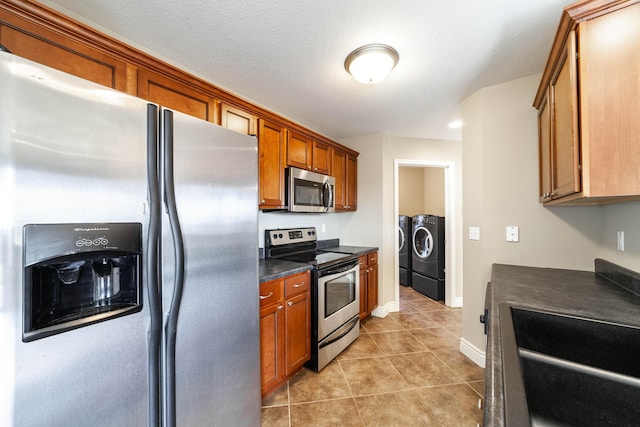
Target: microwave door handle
[[327, 195]]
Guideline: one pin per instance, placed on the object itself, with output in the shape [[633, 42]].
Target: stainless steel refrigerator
[[128, 242]]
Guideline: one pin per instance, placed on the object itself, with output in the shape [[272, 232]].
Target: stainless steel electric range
[[335, 291]]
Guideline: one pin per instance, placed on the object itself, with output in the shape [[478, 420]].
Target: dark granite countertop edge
[[581, 293], [273, 269], [346, 249]]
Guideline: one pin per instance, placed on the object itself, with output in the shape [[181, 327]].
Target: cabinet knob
[[262, 201], [280, 307], [290, 303]]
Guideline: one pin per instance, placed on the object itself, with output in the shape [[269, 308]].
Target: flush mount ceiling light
[[371, 63]]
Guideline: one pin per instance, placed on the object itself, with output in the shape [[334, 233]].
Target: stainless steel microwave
[[309, 191]]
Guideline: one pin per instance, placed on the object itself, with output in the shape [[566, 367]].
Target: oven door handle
[[342, 331], [339, 269]]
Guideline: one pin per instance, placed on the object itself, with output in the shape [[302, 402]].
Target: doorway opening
[[445, 191]]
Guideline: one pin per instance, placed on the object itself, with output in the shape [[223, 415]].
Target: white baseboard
[[382, 311], [472, 352], [457, 302]]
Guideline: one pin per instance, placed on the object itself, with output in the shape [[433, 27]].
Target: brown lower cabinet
[[285, 329], [368, 283]]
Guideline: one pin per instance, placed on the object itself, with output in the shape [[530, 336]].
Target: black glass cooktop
[[319, 259]]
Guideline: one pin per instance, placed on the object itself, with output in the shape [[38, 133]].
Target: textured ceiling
[[288, 55]]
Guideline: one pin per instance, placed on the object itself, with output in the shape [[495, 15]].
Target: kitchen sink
[[566, 370]]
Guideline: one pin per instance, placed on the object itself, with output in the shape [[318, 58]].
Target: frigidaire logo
[[92, 229]]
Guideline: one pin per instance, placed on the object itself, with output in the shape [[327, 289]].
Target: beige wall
[[434, 191], [421, 190], [410, 191], [500, 185], [621, 217]]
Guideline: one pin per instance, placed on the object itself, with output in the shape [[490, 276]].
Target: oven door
[[338, 296]]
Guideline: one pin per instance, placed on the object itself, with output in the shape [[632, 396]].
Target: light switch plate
[[513, 234], [474, 233]]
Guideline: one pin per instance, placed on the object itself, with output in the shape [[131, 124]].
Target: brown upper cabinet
[[176, 96], [305, 153], [43, 35], [45, 46], [271, 146], [588, 106], [344, 168], [352, 183], [238, 120]]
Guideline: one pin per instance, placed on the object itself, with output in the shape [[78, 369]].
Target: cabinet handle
[[290, 303], [297, 285], [266, 296], [262, 202], [279, 307]]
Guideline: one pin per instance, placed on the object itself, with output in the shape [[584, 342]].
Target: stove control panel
[[287, 236]]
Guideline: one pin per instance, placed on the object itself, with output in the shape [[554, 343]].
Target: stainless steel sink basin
[[566, 370]]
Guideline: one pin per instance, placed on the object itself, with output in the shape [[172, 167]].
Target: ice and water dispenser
[[78, 274]]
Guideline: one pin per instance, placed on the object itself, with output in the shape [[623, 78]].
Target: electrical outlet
[[513, 234], [621, 241]]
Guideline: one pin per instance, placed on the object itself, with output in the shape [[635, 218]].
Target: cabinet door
[[321, 158], [544, 148], [372, 287], [297, 332], [299, 151], [362, 262], [271, 165], [49, 48], [176, 96], [351, 183], [609, 72], [339, 171], [271, 346], [237, 120], [565, 166]]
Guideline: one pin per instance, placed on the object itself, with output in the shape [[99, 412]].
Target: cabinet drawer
[[271, 292], [297, 284], [362, 261], [372, 258]]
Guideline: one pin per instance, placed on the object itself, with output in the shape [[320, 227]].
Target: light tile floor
[[403, 370]]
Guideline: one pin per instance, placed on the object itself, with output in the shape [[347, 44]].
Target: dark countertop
[[580, 293], [353, 250], [272, 269]]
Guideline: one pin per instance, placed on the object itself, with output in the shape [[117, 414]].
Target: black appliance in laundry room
[[428, 254], [404, 249]]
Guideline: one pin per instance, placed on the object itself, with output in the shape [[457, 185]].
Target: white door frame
[[450, 225]]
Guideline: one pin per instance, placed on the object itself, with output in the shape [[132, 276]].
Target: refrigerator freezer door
[[70, 151], [217, 353]]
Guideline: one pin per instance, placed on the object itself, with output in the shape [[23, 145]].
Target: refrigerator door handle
[[178, 243], [152, 254]]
